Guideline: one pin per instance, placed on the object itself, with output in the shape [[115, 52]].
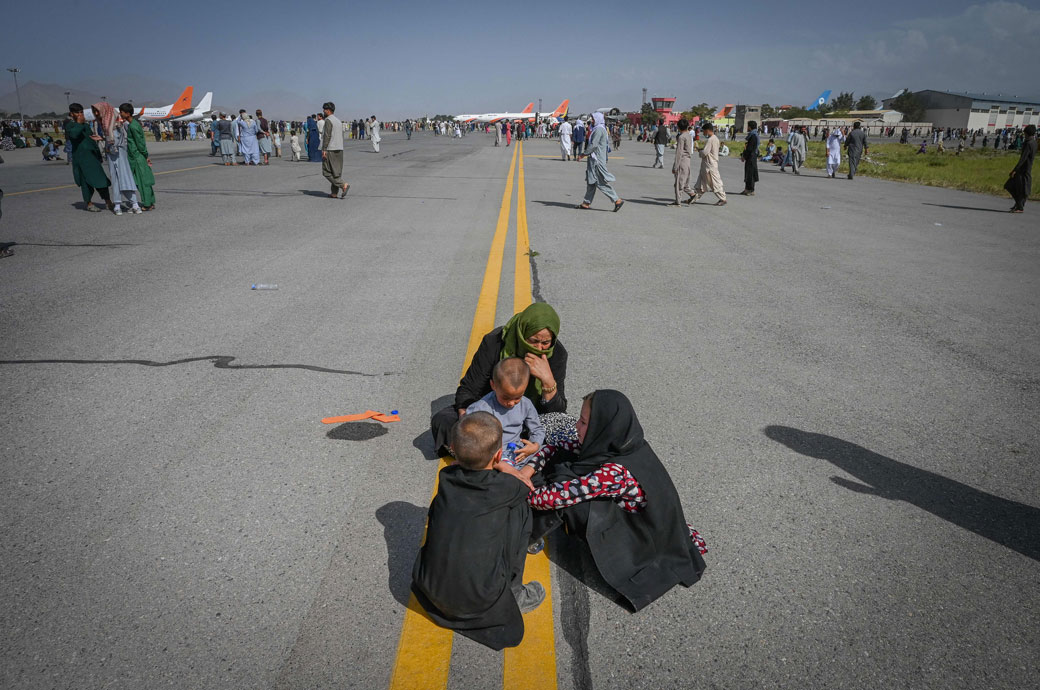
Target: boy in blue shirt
[[512, 408]]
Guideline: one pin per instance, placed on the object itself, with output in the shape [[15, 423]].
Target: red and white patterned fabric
[[610, 480]]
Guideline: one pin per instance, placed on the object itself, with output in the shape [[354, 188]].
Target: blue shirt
[[513, 419]]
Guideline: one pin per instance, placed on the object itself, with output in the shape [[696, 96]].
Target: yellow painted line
[[522, 273], [533, 663], [72, 186], [424, 649], [484, 318], [197, 167], [45, 189]]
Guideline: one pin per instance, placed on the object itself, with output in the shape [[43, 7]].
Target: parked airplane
[[200, 111], [469, 117], [526, 115], [182, 106], [822, 100]]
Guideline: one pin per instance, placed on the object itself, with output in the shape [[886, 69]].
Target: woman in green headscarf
[[531, 334]]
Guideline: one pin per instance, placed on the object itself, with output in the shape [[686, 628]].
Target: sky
[[407, 59]]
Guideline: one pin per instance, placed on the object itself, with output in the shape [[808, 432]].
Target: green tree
[[911, 107], [844, 102], [704, 111], [799, 112], [769, 112], [650, 116], [866, 103]]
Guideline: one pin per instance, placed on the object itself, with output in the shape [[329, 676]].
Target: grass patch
[[974, 170]]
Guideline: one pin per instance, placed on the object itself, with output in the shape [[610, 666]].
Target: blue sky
[[409, 58]]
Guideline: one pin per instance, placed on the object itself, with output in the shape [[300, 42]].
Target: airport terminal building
[[985, 111]]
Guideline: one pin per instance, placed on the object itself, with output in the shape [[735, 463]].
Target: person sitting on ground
[[531, 334], [610, 489], [778, 156], [512, 409], [469, 572], [924, 146], [52, 151], [770, 150]]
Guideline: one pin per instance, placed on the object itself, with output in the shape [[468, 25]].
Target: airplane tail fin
[[206, 104], [822, 100], [562, 110], [182, 106], [528, 109]]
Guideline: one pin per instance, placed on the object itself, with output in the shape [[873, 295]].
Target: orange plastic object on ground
[[367, 414]]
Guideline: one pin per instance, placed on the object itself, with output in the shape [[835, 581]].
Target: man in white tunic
[[709, 178], [374, 124], [834, 151], [565, 139]]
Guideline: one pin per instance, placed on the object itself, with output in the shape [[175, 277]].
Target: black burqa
[[476, 545], [641, 555], [1020, 186]]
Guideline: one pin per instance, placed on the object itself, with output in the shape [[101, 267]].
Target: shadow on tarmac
[[649, 201], [219, 362], [357, 431], [1008, 523], [965, 208], [564, 204], [403, 525], [64, 244]]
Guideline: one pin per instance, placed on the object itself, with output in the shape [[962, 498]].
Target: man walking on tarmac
[[332, 152]]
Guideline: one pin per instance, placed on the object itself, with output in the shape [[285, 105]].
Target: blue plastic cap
[[393, 411]]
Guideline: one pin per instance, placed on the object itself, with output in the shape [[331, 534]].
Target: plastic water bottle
[[509, 454], [264, 286]]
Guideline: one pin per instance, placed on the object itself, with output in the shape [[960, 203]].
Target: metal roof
[[994, 97]]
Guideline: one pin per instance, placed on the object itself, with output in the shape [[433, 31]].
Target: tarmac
[[843, 378]]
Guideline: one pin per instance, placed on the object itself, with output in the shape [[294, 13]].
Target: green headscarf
[[522, 326]]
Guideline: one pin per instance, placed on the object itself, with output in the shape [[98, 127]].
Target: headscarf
[[522, 326], [600, 122], [107, 119], [613, 430]]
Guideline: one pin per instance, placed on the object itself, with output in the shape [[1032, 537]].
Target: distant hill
[[40, 98]]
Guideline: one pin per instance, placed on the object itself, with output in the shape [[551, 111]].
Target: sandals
[[93, 209], [618, 205], [583, 207], [343, 194], [4, 253]]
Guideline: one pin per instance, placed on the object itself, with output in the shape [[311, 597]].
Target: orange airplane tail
[[562, 110], [182, 106], [528, 109]]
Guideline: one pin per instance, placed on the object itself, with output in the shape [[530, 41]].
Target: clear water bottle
[[263, 286], [509, 454]]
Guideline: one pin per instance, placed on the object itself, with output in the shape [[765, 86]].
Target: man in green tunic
[[140, 163], [86, 159]]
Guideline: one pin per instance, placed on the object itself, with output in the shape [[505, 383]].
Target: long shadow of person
[[1008, 523], [403, 525]]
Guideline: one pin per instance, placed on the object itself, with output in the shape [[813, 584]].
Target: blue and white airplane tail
[[822, 100]]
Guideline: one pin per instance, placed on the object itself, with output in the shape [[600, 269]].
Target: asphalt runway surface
[[843, 379]]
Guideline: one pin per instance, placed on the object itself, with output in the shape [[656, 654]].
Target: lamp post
[[67, 94], [17, 92]]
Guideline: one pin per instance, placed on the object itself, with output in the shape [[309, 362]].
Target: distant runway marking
[[424, 649], [531, 155], [73, 186]]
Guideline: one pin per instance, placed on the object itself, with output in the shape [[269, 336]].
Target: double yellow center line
[[424, 650]]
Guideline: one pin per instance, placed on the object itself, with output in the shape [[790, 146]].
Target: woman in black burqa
[[614, 493]]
